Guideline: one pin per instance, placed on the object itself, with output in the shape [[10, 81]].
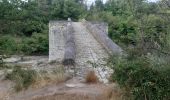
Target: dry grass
[[117, 93], [116, 96], [107, 92], [45, 78], [23, 78], [91, 77]]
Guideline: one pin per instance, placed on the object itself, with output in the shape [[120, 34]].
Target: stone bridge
[[79, 43]]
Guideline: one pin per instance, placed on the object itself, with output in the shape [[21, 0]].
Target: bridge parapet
[[101, 35], [102, 26]]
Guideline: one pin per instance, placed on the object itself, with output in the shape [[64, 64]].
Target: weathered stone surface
[[56, 40], [70, 48], [102, 26], [13, 59], [89, 46], [88, 50], [102, 38]]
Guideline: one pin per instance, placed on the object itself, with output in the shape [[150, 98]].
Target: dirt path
[[5, 88], [70, 90]]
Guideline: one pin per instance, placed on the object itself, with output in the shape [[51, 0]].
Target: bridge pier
[[75, 44]]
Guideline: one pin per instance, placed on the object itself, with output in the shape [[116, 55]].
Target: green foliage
[[155, 31], [99, 5], [8, 45], [124, 32], [23, 78], [63, 9], [117, 7], [33, 26], [37, 44], [23, 23], [134, 22], [141, 78], [144, 73]]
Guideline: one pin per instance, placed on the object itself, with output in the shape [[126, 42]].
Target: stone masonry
[[88, 49], [56, 40]]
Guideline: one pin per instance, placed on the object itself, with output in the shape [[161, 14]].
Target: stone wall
[[102, 26], [101, 36], [56, 40], [81, 46]]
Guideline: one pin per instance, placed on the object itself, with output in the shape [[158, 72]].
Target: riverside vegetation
[[140, 27]]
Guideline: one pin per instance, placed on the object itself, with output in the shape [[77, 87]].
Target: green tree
[[63, 9], [99, 5]]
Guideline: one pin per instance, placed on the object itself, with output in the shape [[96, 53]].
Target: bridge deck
[[87, 48]]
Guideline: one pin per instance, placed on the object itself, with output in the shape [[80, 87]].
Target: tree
[[63, 9], [99, 5]]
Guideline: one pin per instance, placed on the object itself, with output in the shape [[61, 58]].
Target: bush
[[124, 33], [22, 78], [37, 44], [8, 45], [91, 77], [141, 79], [33, 26]]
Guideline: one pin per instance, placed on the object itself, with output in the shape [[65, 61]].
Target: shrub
[[91, 77], [8, 45], [31, 27], [23, 78], [37, 44], [141, 79]]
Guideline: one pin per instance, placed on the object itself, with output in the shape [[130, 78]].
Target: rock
[[103, 73], [12, 60], [76, 85]]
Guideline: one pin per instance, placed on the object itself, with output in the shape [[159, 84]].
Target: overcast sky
[[90, 1], [153, 0]]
